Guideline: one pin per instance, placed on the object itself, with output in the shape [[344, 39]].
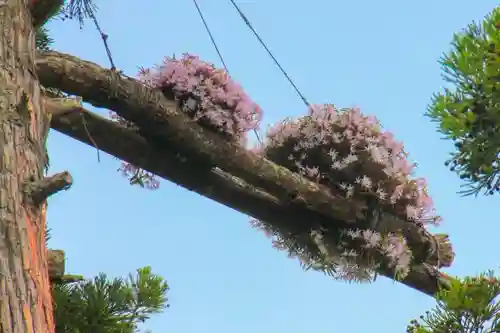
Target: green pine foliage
[[79, 10], [468, 113], [471, 305], [104, 305], [43, 40]]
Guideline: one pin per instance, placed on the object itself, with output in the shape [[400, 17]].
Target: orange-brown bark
[[25, 300]]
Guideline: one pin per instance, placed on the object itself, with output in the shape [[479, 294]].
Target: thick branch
[[39, 191], [164, 123], [155, 115], [131, 147]]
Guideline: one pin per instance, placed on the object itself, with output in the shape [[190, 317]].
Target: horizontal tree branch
[[161, 118], [162, 122], [128, 145], [41, 190]]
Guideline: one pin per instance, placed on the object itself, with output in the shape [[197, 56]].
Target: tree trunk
[[25, 298]]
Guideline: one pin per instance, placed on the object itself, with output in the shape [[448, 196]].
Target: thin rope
[[207, 28]]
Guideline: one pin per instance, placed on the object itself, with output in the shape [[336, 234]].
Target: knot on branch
[[438, 249], [39, 191], [445, 251]]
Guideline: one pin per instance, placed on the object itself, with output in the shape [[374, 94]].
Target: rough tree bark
[[128, 145], [25, 298]]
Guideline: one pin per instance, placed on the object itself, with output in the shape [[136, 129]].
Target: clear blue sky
[[225, 277]]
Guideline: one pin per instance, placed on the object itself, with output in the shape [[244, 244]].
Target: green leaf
[[468, 113], [104, 305]]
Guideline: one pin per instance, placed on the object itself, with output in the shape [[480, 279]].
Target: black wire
[[210, 34], [217, 49], [247, 22], [104, 38]]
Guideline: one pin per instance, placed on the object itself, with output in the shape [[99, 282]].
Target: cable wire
[[210, 35], [247, 22], [217, 50]]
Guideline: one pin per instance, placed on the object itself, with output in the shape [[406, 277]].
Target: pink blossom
[[345, 147], [206, 94], [221, 104], [352, 156]]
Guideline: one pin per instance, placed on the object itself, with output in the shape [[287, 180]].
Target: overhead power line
[[247, 22], [218, 52], [210, 35]]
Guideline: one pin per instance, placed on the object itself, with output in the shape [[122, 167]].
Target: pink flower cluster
[[207, 94], [393, 246], [351, 155], [354, 257]]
